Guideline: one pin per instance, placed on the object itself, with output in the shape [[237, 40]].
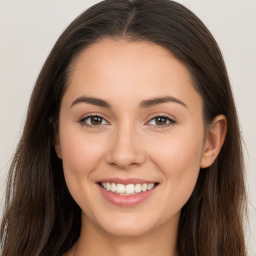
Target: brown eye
[[161, 121], [93, 121], [96, 120]]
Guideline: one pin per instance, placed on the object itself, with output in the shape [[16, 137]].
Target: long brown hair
[[41, 218]]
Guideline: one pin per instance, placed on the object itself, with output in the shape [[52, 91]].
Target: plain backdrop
[[28, 30]]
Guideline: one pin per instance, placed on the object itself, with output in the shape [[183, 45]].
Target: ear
[[56, 142], [214, 139]]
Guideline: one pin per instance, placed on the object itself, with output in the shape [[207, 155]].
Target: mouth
[[128, 189]]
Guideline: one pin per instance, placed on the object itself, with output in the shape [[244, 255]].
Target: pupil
[[161, 120], [96, 120]]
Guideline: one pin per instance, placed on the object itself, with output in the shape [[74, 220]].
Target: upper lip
[[126, 181]]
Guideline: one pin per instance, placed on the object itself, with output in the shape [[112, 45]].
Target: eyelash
[[168, 119], [84, 119]]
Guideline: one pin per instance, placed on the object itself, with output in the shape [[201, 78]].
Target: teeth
[[150, 186], [137, 188], [129, 189], [108, 186], [144, 187], [120, 188], [113, 187]]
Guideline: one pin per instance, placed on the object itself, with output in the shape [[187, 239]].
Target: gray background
[[28, 30]]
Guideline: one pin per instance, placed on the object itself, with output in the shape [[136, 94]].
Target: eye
[[93, 120], [161, 121]]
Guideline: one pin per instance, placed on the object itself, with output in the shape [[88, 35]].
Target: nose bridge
[[125, 149]]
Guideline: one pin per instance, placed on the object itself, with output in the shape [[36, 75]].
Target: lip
[[126, 201]]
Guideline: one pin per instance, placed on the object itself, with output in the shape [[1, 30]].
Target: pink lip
[[126, 181], [125, 201]]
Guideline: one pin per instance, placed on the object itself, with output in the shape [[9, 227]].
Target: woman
[[131, 144]]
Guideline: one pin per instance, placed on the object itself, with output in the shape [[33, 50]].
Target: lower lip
[[126, 201]]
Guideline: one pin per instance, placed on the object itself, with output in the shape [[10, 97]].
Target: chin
[[127, 231], [127, 226]]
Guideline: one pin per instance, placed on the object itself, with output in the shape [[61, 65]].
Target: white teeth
[[137, 188], [113, 187], [129, 189], [150, 186], [108, 186], [120, 188], [144, 187]]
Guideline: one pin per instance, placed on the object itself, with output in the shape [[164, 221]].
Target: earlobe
[[214, 139], [56, 142]]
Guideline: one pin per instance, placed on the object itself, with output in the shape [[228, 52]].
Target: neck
[[96, 241]]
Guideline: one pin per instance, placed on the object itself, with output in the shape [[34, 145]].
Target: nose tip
[[125, 151]]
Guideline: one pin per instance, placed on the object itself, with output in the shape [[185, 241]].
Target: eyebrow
[[144, 104], [91, 100], [160, 100]]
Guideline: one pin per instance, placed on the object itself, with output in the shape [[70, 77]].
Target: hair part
[[41, 218]]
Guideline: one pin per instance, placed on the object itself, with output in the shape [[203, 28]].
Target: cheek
[[80, 152], [178, 152], [178, 158], [81, 155]]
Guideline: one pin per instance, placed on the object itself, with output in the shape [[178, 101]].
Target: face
[[131, 136]]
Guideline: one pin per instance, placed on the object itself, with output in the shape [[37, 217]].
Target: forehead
[[129, 70], [111, 52]]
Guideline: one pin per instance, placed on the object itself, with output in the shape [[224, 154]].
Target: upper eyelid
[[172, 120], [162, 115], [92, 115]]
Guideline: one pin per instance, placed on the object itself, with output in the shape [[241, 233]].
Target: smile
[[129, 189], [128, 192]]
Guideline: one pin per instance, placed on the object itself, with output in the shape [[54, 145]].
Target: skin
[[129, 143]]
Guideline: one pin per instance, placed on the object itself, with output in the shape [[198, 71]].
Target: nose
[[126, 148]]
